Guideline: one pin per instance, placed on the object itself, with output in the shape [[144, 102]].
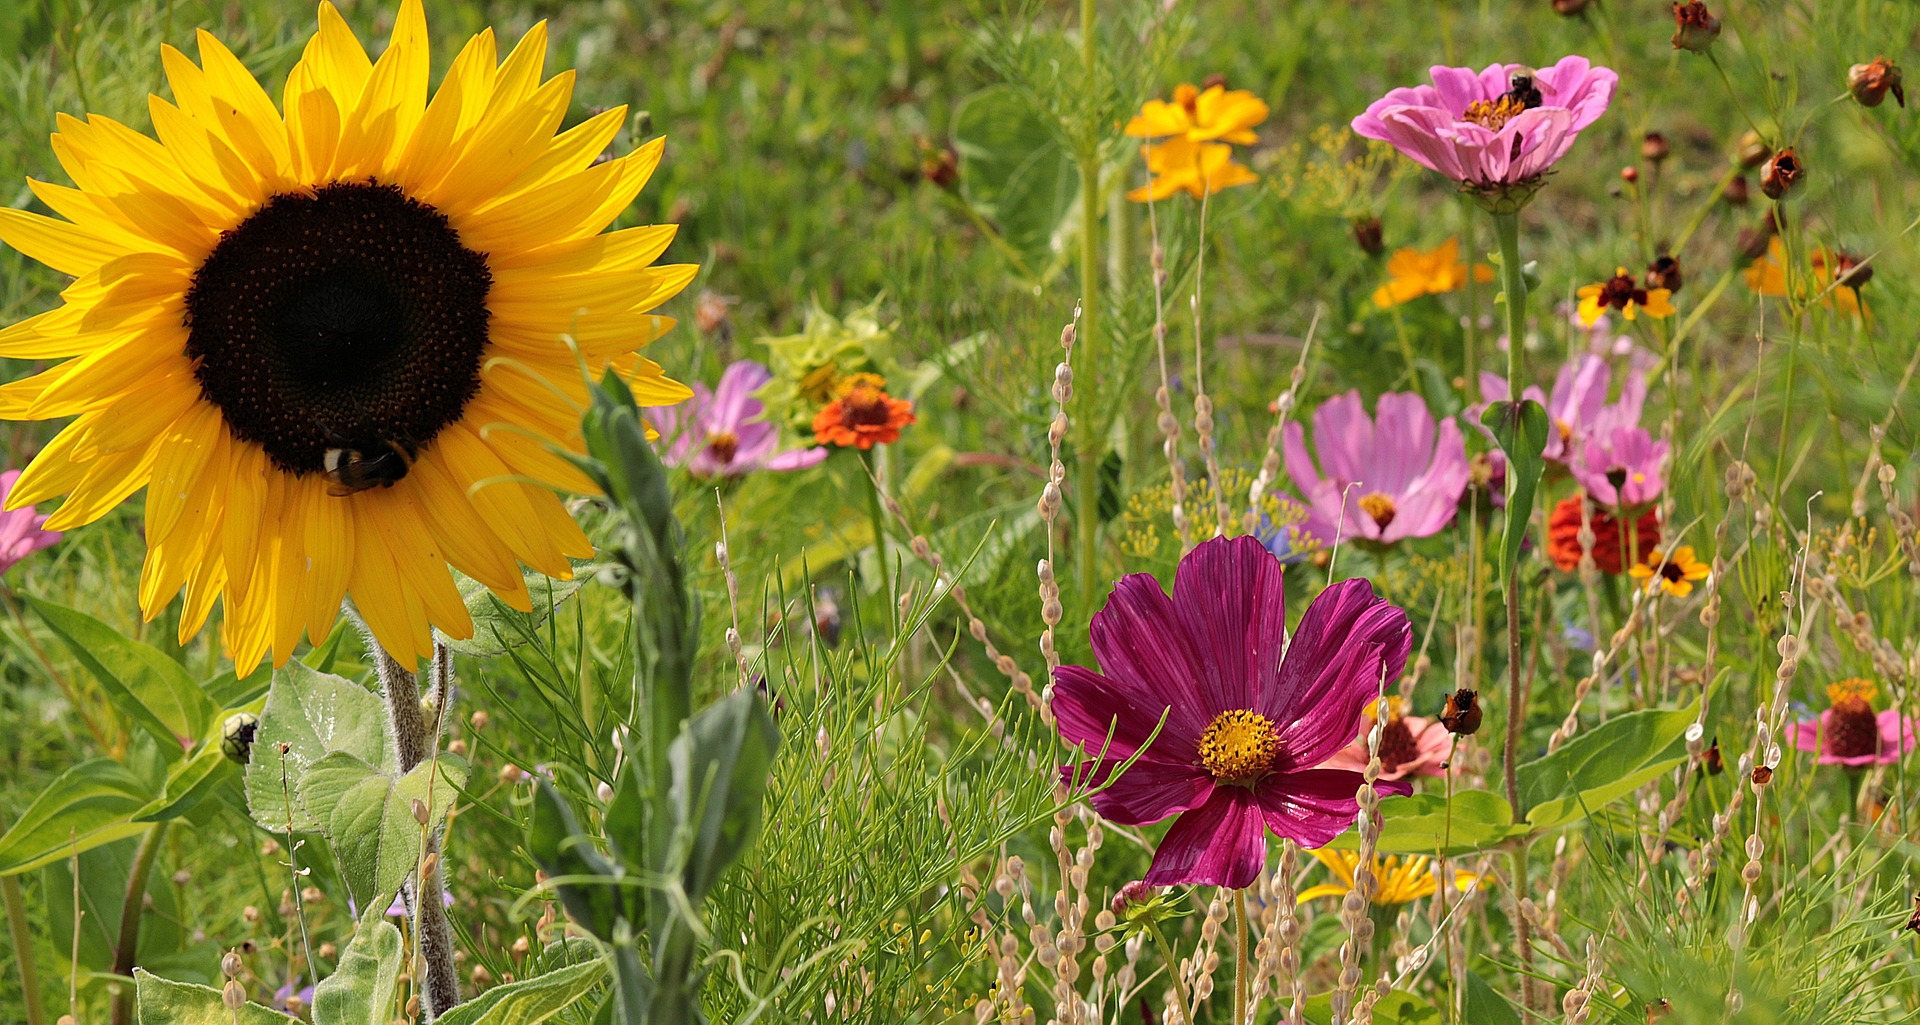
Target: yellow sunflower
[[1401, 880], [337, 343]]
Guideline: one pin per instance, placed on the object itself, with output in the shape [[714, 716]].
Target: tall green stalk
[[23, 948], [1087, 338], [128, 945]]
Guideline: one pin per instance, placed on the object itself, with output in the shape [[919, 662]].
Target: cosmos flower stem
[[22, 941], [1470, 340], [1167, 955], [130, 914]]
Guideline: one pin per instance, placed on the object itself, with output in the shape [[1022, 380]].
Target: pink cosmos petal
[[1343, 438], [1575, 84], [798, 459], [1398, 456], [1312, 806], [1233, 603], [687, 430], [733, 401], [1627, 450], [1432, 742], [1403, 417], [1221, 843], [1087, 706], [1333, 667], [1139, 643], [1150, 789], [1544, 136], [1432, 499], [1897, 735], [20, 529]]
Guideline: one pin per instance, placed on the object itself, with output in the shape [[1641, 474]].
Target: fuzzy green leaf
[[360, 990], [367, 815], [529, 1001], [165, 1002], [315, 715]]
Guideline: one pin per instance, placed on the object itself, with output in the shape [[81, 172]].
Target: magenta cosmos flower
[[1578, 408], [1622, 467], [719, 433], [20, 533], [1850, 733], [1378, 480], [1501, 126], [1250, 713]]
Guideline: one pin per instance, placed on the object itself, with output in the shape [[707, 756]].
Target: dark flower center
[[1398, 745], [722, 445], [350, 317], [1673, 571], [866, 407], [1852, 730], [1621, 290], [1379, 508]]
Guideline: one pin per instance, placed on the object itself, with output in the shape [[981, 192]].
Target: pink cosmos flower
[[1578, 408], [1250, 713], [1501, 126], [20, 533], [1621, 467], [718, 433], [1385, 479], [1851, 734], [1410, 745]]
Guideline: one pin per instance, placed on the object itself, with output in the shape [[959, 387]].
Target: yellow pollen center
[[1565, 429], [1852, 693], [1378, 506], [1493, 114], [1238, 746]]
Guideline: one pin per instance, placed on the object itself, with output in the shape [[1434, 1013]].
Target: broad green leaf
[[315, 715], [102, 893], [498, 626], [360, 990], [1015, 174], [190, 782], [1483, 1006], [530, 1001], [1601, 765], [1476, 820], [1521, 430], [88, 805], [720, 765], [1396, 1008], [367, 815], [142, 682], [165, 1002], [230, 692]]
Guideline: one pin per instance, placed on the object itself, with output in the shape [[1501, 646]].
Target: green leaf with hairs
[[529, 1001], [367, 815], [165, 1002], [314, 714]]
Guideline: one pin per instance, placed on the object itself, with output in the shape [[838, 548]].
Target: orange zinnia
[[1563, 536], [863, 415]]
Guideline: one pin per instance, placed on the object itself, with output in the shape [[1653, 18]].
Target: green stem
[[23, 948], [1173, 971], [1471, 341], [130, 911], [874, 513], [1506, 228], [1087, 338], [1242, 983]]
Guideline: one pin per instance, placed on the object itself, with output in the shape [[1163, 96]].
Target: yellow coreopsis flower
[[1412, 273], [338, 340], [1401, 880], [1674, 572], [1767, 275], [1212, 114], [1196, 168], [1622, 293]]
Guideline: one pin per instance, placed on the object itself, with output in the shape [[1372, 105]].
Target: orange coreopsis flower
[[1768, 276], [863, 415], [1196, 168], [1215, 113], [1412, 273], [1674, 572]]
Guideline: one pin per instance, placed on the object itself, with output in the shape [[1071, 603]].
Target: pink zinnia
[[1578, 408], [1250, 713], [1850, 733], [1621, 467], [20, 533], [1385, 479], [719, 433], [1410, 745], [1498, 127]]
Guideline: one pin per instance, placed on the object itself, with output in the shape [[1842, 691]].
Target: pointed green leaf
[[1602, 765], [367, 815], [189, 783], [142, 682], [530, 1001], [360, 990], [314, 714], [720, 765], [165, 1002], [88, 805], [1475, 820], [1521, 430], [566, 854]]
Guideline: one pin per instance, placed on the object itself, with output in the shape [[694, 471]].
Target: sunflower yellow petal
[[64, 246], [626, 249], [472, 545], [455, 108], [329, 546], [1323, 890], [180, 490], [336, 58], [313, 124], [497, 149], [395, 96], [110, 480]]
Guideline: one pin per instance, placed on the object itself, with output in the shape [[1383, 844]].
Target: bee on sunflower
[[339, 341]]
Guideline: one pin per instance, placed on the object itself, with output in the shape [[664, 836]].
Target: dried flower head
[[1871, 82], [1779, 176], [1695, 28]]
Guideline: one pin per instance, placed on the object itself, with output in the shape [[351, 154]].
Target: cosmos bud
[[1871, 82], [1629, 174], [1781, 174], [1695, 28], [1367, 234]]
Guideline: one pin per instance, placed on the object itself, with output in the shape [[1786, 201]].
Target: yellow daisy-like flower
[[1767, 275], [1197, 168], [1412, 273], [1402, 881], [335, 344], [1622, 293], [1674, 572], [1213, 114]]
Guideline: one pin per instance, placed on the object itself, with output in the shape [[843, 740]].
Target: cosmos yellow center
[[1379, 507], [1494, 114], [722, 445], [1237, 746]]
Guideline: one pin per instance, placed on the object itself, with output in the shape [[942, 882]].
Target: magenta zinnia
[[1250, 713]]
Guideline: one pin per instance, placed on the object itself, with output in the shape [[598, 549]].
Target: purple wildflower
[[20, 533], [718, 433], [1250, 713], [1385, 479], [1578, 408], [1621, 467]]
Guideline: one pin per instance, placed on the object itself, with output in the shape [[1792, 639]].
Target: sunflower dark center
[[347, 318]]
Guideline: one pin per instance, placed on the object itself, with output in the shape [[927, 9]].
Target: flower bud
[[1736, 193], [1781, 174], [1367, 235], [1871, 82], [1629, 174], [1695, 28], [230, 964], [1754, 150], [234, 995], [1569, 8], [1665, 273], [1654, 148]]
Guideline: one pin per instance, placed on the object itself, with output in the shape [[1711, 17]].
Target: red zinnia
[[863, 416], [1563, 536]]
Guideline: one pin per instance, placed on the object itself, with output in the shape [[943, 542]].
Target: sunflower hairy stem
[[128, 945], [414, 740]]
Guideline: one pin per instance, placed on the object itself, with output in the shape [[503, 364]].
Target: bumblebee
[[1522, 90], [350, 470]]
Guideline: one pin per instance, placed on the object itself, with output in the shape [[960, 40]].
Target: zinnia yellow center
[[1494, 114], [1237, 746], [1379, 507]]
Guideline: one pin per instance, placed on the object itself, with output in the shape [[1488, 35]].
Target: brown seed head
[[1781, 174]]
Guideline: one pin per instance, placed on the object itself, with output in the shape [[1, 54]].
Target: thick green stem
[[130, 912], [1087, 337], [23, 948], [878, 517]]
